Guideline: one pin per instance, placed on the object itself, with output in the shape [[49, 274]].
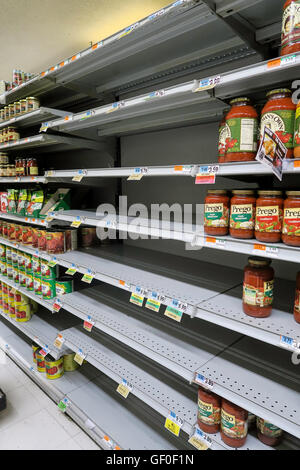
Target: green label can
[[48, 288], [37, 284], [2, 252], [22, 278], [16, 274], [48, 272], [36, 265], [14, 257], [28, 262], [29, 281], [64, 285], [69, 364]]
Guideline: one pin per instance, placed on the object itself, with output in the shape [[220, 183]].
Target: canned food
[[26, 235], [28, 262], [32, 103], [8, 255], [71, 242], [21, 260], [35, 237], [20, 299], [23, 105], [23, 313], [9, 271], [16, 274], [29, 281], [42, 240], [48, 288], [36, 265], [2, 252], [35, 347], [64, 285], [54, 368], [88, 237], [37, 284], [69, 364], [14, 257], [22, 278], [3, 267], [11, 311], [40, 361], [18, 233], [48, 272], [17, 107], [55, 244]]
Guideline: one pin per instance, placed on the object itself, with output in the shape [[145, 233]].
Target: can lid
[[50, 358], [31, 98], [292, 193], [240, 100], [258, 261], [279, 90], [217, 191], [270, 193], [246, 192]]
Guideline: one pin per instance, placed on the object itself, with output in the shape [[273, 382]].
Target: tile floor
[[32, 421]]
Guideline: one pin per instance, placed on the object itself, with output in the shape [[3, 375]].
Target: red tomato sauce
[[258, 288]]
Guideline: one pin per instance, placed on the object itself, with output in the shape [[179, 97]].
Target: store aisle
[[32, 420]]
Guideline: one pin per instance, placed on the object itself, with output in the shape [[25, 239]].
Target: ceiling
[[36, 34]]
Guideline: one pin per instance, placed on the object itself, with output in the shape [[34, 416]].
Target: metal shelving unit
[[23, 179], [47, 143], [28, 220], [39, 299], [34, 117]]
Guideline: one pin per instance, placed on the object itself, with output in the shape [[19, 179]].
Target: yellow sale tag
[[88, 277], [76, 223], [135, 177], [198, 444], [79, 357], [137, 299], [123, 390], [153, 305], [59, 342], [173, 427], [78, 178], [174, 313]]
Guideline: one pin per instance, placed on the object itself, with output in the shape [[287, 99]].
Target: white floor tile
[[64, 421], [85, 442], [8, 381], [20, 404], [69, 445], [39, 395]]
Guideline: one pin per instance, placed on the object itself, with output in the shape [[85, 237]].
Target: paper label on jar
[[258, 296], [216, 215], [242, 135], [290, 32], [268, 219], [241, 216], [281, 123], [232, 426], [297, 301], [208, 414], [224, 137], [291, 222], [267, 428]]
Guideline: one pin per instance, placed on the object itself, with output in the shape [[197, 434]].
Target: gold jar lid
[[270, 193], [277, 91], [240, 100], [258, 261], [31, 98], [217, 191], [23, 101], [292, 193], [246, 192]]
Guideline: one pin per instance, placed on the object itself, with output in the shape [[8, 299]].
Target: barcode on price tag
[[208, 83], [124, 388], [138, 174], [72, 270], [207, 174], [290, 343], [201, 380], [77, 222], [153, 305], [79, 357], [59, 341], [173, 423], [57, 305], [136, 299], [200, 440], [269, 250], [88, 324]]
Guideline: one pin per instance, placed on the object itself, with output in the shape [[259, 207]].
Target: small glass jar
[[278, 114], [17, 106], [11, 170], [258, 288], [2, 171], [242, 213], [297, 299], [3, 157], [209, 411], [269, 215], [11, 110], [223, 135], [13, 134], [268, 433], [290, 34], [32, 167], [234, 424], [32, 103], [2, 115], [1, 136], [291, 219], [4, 135], [216, 212], [6, 113], [23, 106], [242, 125]]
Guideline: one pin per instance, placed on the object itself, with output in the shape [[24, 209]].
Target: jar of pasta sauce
[[216, 212], [297, 299], [234, 424], [223, 135], [268, 433], [242, 213], [258, 287], [269, 215], [297, 132], [291, 219], [209, 411], [278, 114], [290, 33], [242, 125]]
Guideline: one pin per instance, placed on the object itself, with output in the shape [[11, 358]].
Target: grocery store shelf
[[28, 220], [45, 143], [34, 117], [22, 179], [261, 379], [39, 299]]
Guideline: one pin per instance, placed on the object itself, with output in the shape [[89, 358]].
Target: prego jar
[[234, 424], [290, 33], [297, 132], [216, 212], [32, 103], [258, 288], [223, 135], [278, 114], [297, 299], [291, 219], [269, 215], [242, 213], [209, 411], [241, 125], [268, 433]]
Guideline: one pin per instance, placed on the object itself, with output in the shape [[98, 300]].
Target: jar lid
[[270, 193], [246, 192], [31, 98], [277, 91], [239, 100], [257, 261], [217, 191], [292, 193], [21, 101]]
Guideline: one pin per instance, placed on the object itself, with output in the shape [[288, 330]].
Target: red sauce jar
[[234, 424], [291, 219], [269, 215], [297, 299], [223, 135], [216, 212], [297, 132], [26, 235], [242, 125], [268, 433], [290, 34], [278, 114], [209, 411], [258, 287], [242, 213]]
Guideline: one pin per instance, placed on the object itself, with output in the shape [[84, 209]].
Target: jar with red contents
[[11, 232], [297, 300], [258, 288], [209, 411], [269, 215], [234, 424], [242, 213], [291, 219], [216, 212], [27, 235], [290, 33], [32, 167], [18, 233], [278, 114], [242, 126], [268, 433], [223, 135]]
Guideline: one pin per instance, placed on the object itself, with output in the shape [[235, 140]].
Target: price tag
[[207, 83], [137, 299], [50, 217], [288, 60], [108, 442], [50, 173], [44, 127], [77, 222], [173, 313], [58, 343], [217, 242], [289, 343], [115, 107], [63, 404], [270, 250], [183, 168], [88, 324], [180, 305], [200, 440], [87, 115], [124, 388], [71, 271], [158, 297], [44, 351], [52, 262], [155, 94], [88, 277], [79, 176], [79, 357], [138, 174], [57, 305], [124, 284], [207, 174], [153, 305], [173, 423], [204, 382]]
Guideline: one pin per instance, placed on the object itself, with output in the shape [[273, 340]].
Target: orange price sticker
[[274, 63], [178, 168], [210, 240], [297, 164], [61, 64], [122, 283], [52, 69], [260, 247], [66, 118], [43, 74], [95, 46], [74, 57]]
